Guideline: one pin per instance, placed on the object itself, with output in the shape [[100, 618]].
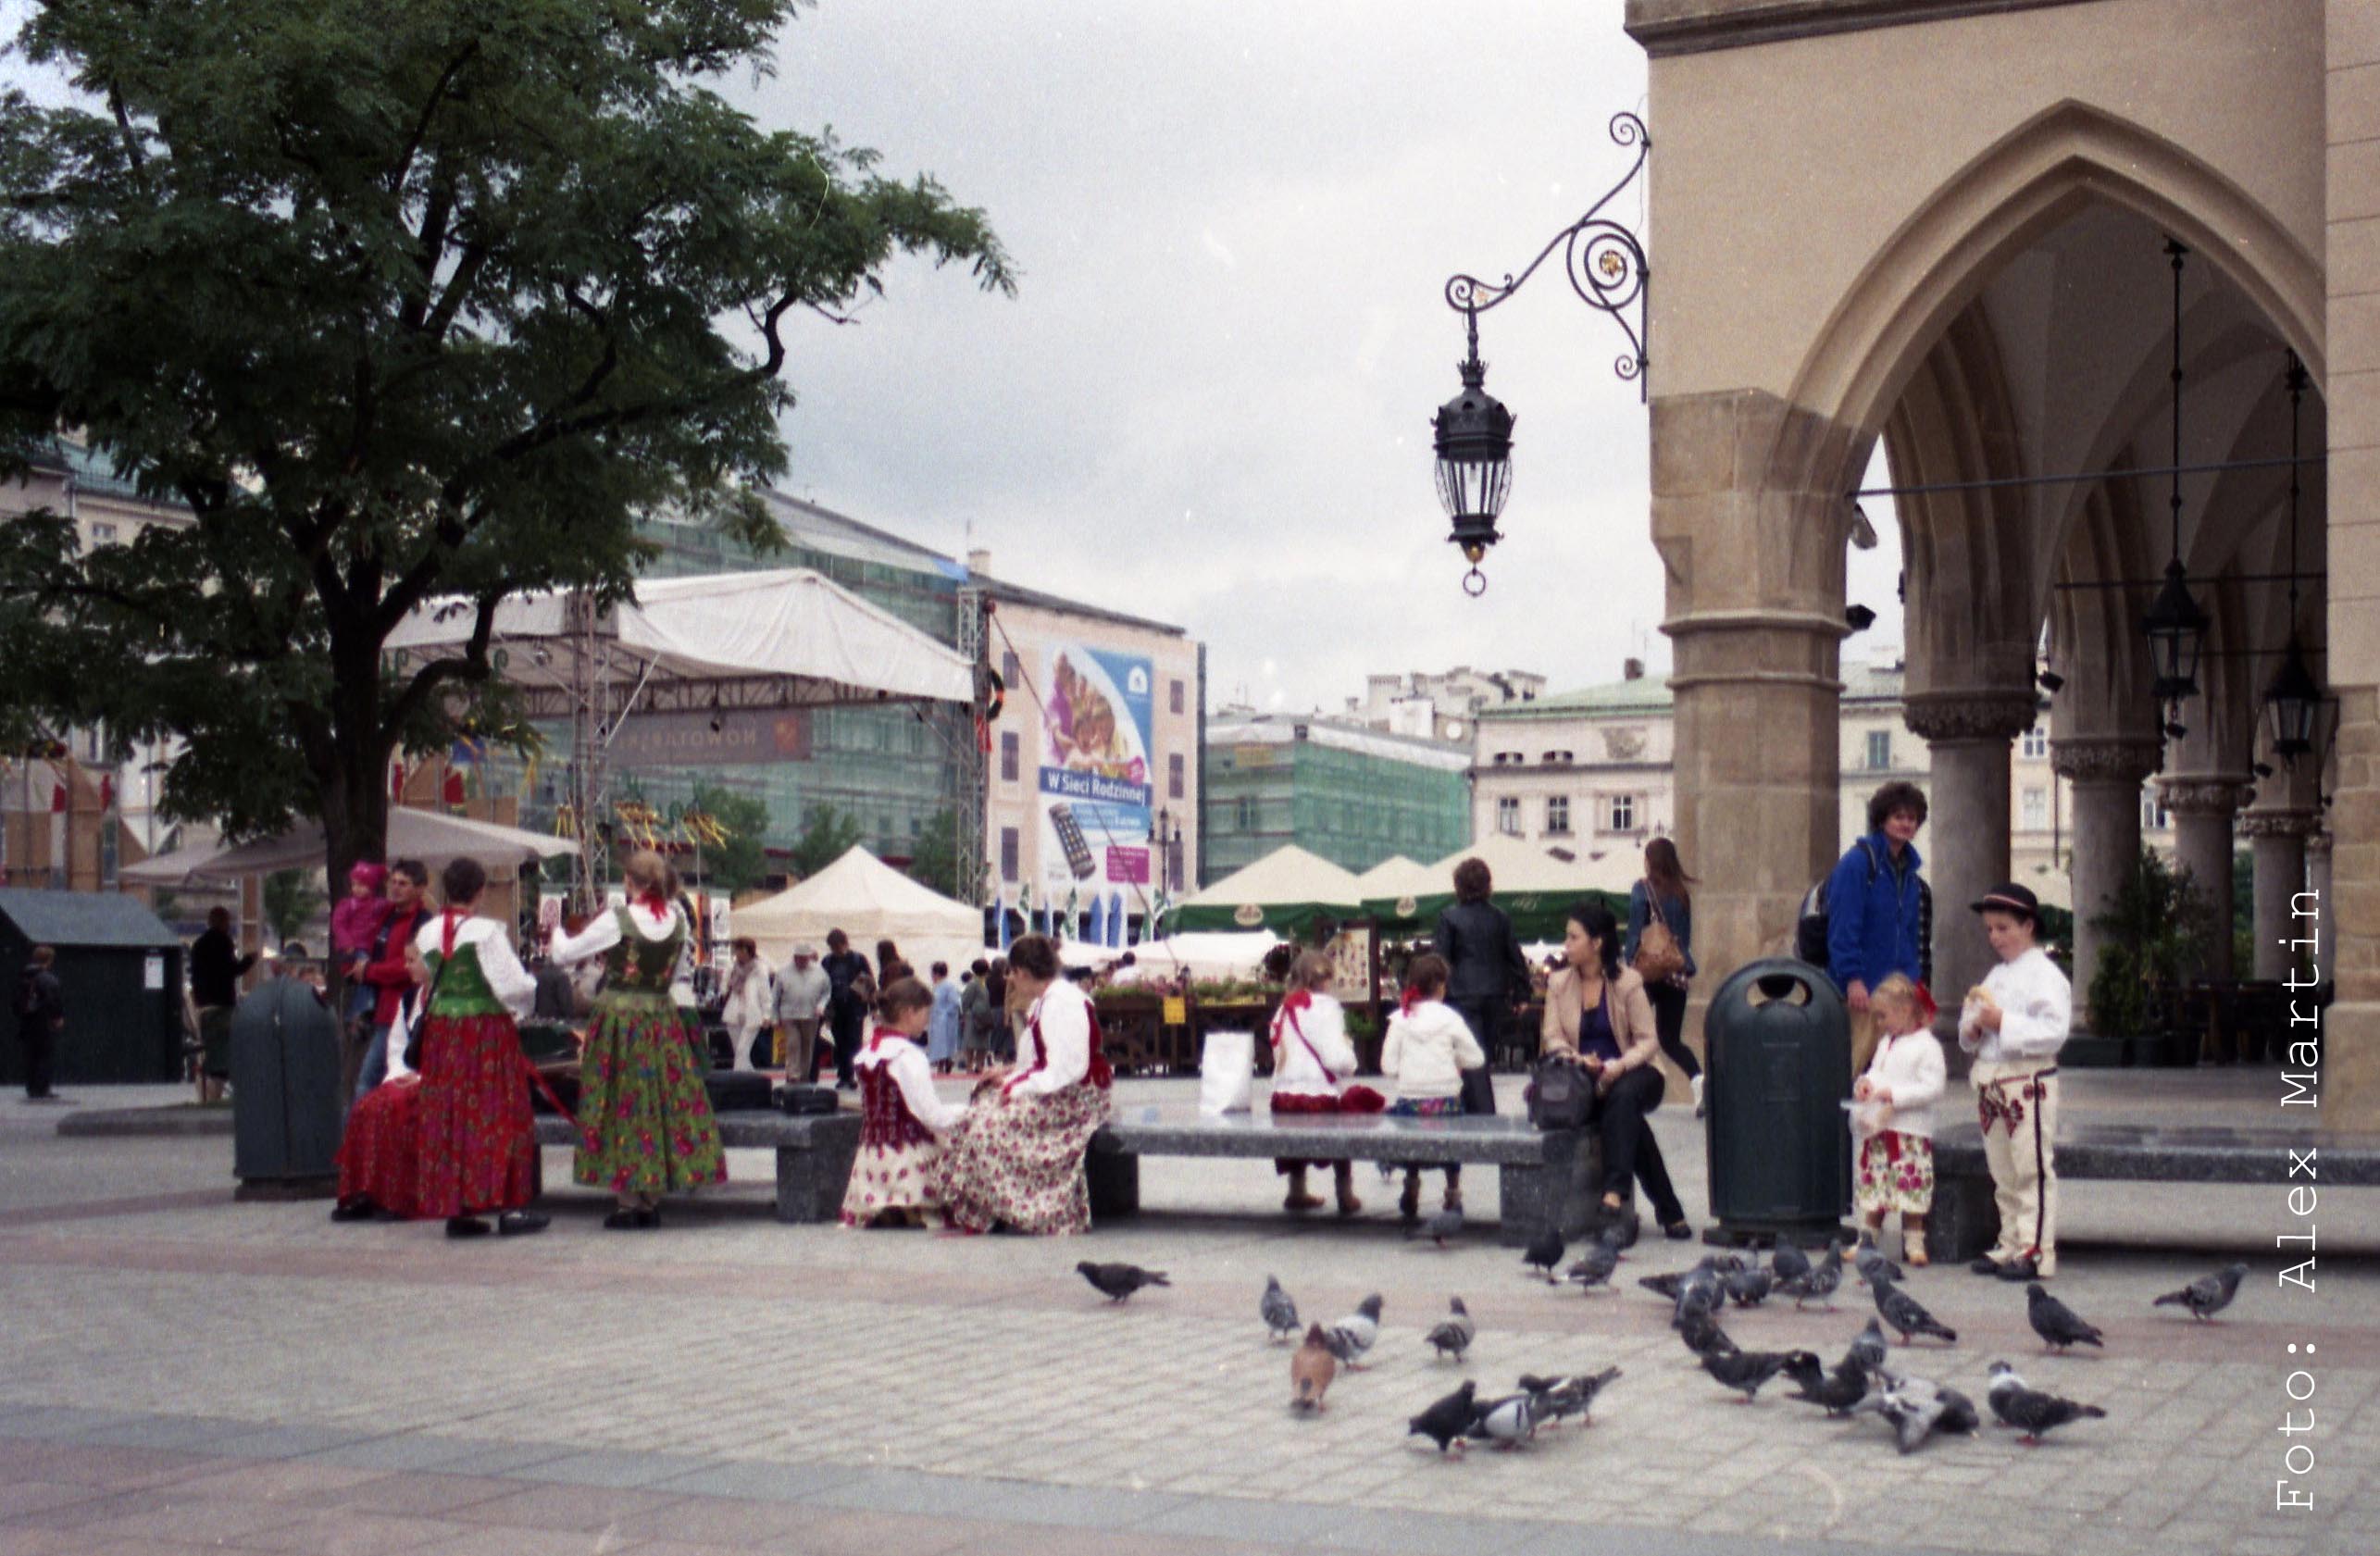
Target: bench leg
[[1559, 1193], [1114, 1180], [811, 1181], [1964, 1223]]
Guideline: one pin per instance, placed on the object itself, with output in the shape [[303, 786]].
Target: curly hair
[[1894, 797]]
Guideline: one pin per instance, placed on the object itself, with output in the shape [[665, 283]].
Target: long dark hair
[[1666, 871], [1597, 920]]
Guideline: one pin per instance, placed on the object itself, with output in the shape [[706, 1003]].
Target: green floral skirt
[[645, 1120]]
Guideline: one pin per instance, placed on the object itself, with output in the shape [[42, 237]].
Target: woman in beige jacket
[[1597, 1014]]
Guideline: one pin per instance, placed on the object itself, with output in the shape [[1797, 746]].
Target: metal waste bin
[[1779, 1066], [285, 1093]]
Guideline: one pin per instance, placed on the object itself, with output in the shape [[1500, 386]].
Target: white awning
[[431, 836]]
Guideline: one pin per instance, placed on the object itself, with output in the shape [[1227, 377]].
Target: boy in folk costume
[[1894, 1118], [1312, 1062], [2014, 1023], [902, 1117]]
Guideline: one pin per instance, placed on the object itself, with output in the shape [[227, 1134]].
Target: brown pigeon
[[1312, 1366]]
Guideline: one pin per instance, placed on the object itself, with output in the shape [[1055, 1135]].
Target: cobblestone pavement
[[180, 1372]]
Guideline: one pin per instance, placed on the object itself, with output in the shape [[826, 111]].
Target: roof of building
[[1864, 681], [93, 472], [83, 918], [1281, 729], [1018, 594]]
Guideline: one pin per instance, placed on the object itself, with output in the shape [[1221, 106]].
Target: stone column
[[2278, 837], [2202, 807], [2107, 772], [1970, 734], [2318, 882]]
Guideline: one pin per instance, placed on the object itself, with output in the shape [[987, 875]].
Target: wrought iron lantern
[[2176, 627], [1475, 464], [2293, 706]]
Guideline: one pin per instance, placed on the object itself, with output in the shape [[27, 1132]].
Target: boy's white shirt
[[2035, 1012]]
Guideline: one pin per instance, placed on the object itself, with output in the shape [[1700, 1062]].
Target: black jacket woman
[[1488, 976]]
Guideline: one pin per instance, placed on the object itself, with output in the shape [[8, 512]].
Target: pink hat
[[367, 874]]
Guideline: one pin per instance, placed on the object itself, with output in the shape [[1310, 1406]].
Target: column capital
[[2279, 824], [1971, 713], [2111, 759], [2203, 794], [2317, 842]]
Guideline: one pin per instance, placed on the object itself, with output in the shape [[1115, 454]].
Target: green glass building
[[1353, 795]]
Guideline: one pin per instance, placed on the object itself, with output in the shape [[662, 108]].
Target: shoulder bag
[[1658, 958]]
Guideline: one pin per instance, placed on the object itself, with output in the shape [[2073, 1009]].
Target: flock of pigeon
[[1861, 1383]]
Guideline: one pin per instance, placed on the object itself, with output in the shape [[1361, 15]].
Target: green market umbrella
[[1287, 891]]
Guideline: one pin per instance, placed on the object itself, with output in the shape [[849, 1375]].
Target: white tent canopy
[[1518, 866], [1287, 875], [431, 836], [869, 901], [1214, 954], [1400, 876]]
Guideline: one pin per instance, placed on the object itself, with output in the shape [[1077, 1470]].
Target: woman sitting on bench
[[1597, 1014]]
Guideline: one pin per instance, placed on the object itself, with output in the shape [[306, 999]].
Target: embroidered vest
[[885, 1118], [637, 966], [1098, 1075]]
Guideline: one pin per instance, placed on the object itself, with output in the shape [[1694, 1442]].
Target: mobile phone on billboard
[[1070, 838]]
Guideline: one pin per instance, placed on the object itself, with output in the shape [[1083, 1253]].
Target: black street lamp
[[2175, 625], [1474, 436], [2294, 701]]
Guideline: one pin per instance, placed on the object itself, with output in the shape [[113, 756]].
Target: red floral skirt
[[479, 1142], [1355, 1099], [380, 1155]]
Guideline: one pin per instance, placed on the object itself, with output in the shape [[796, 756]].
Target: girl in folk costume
[[1428, 1049], [479, 1143], [646, 1127], [1312, 1063], [901, 1118], [380, 1153], [1894, 1118], [1016, 1158], [2014, 1023]]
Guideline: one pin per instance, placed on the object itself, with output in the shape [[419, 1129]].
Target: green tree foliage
[[936, 862], [743, 860], [826, 835], [290, 902], [403, 301], [2155, 928]]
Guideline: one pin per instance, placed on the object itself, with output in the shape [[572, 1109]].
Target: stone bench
[[1965, 1223], [1541, 1174], [814, 1154]]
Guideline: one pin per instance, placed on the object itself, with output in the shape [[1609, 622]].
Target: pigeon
[[1743, 1371], [2057, 1323], [2030, 1409], [1787, 1261], [1838, 1391], [1665, 1285], [1701, 1294], [1749, 1288], [1703, 1337], [1595, 1264], [1558, 1399], [1726, 1264], [1869, 1261], [1453, 1334], [1868, 1349], [1508, 1422], [1280, 1315], [1544, 1253], [1312, 1366], [1446, 1224], [1354, 1335], [1818, 1283], [1116, 1282], [1916, 1408], [1905, 1313], [2208, 1295], [1445, 1421]]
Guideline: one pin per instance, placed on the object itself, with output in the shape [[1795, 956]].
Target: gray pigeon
[[1454, 1334], [1702, 1335], [1508, 1422], [1868, 1349], [1869, 1261], [1749, 1288], [1544, 1253], [1907, 1314], [1819, 1283], [1743, 1371], [1701, 1294], [1354, 1336], [1667, 1284], [1446, 1224], [1559, 1399], [2057, 1323], [1595, 1264], [1116, 1282], [2030, 1409], [1447, 1420], [1838, 1391], [2208, 1295], [1279, 1314], [1916, 1408], [1787, 1261]]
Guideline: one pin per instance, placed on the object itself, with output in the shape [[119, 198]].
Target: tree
[[741, 860], [2154, 928], [402, 301], [935, 862], [826, 835], [290, 901]]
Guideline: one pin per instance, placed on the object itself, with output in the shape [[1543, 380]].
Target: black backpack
[[1809, 929]]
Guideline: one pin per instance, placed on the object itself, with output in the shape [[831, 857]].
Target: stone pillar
[[2202, 808], [2278, 837], [2318, 882], [1970, 734], [2107, 772]]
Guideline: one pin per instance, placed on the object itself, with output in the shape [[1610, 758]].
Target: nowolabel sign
[[1095, 790]]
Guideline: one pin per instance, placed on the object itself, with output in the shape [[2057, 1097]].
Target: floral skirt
[[1019, 1160], [380, 1156], [479, 1143], [892, 1178], [645, 1120], [1896, 1174]]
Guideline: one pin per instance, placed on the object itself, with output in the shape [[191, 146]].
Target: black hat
[[2010, 898]]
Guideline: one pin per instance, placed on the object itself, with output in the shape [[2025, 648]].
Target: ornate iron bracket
[[1604, 261]]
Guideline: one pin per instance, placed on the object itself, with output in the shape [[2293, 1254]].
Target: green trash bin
[[1779, 1069]]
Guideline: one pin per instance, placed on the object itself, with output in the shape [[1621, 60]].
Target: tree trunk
[[352, 776]]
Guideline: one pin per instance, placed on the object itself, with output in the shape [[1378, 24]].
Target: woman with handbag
[[1661, 948], [1597, 1015]]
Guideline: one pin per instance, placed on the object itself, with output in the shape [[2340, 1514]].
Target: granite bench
[[814, 1154], [1965, 1223], [1541, 1174]]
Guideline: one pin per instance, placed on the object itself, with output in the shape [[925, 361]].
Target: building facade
[[1353, 795], [1438, 707]]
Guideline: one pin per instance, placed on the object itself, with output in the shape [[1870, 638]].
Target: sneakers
[[2020, 1268], [1985, 1266], [521, 1222]]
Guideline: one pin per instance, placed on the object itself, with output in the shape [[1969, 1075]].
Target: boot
[[1409, 1202], [1912, 1242], [1343, 1180], [1453, 1201], [1299, 1199]]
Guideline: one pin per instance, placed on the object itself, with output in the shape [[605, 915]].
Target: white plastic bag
[[1227, 1074]]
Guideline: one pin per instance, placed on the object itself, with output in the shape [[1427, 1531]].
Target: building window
[[1624, 813], [1243, 812], [1010, 676], [2037, 810], [1557, 815], [1508, 815], [2153, 813], [1174, 775], [1009, 749], [103, 534], [1008, 853], [1879, 749], [1173, 697], [2036, 743]]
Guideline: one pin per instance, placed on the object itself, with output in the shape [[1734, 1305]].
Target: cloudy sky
[[1209, 401]]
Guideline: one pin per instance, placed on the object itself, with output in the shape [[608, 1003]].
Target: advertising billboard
[[1095, 790]]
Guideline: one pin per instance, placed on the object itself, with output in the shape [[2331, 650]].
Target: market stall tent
[[869, 901], [1533, 885], [431, 836], [1289, 892], [1205, 955]]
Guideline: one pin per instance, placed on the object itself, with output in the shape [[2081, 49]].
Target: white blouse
[[507, 980], [1910, 1065], [2035, 1012], [914, 1074], [1320, 1065], [602, 932], [1063, 1015]]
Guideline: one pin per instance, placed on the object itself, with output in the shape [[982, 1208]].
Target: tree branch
[[404, 167], [472, 666], [133, 155]]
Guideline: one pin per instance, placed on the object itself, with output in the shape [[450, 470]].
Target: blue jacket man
[[1875, 918]]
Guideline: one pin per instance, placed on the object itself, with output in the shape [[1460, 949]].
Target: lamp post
[[1473, 433], [2175, 624], [2293, 700]]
